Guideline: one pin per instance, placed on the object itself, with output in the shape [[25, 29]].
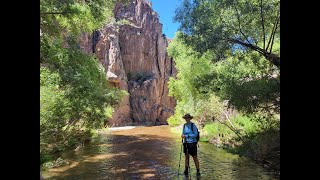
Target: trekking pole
[[180, 156], [188, 161]]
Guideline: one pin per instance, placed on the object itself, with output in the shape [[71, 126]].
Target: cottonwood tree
[[224, 25]]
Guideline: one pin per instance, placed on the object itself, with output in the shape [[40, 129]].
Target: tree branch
[[274, 35], [227, 117], [273, 30], [262, 22], [238, 17], [237, 133], [273, 58], [249, 45]]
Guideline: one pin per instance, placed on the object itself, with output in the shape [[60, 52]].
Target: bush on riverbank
[[49, 151], [175, 120]]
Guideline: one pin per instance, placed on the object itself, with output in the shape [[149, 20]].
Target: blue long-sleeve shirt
[[191, 136]]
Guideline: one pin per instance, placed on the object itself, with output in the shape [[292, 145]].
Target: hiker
[[190, 133]]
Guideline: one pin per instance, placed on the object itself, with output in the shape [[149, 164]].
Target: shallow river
[[150, 153]]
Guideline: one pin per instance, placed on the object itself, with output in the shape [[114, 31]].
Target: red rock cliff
[[134, 55]]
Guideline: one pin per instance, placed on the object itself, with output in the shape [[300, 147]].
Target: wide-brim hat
[[187, 116]]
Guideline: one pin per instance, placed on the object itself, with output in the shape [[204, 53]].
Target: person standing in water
[[189, 134]]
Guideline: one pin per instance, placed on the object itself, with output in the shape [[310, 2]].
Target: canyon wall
[[133, 51]]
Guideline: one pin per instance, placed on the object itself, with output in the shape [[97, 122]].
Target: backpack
[[198, 137]]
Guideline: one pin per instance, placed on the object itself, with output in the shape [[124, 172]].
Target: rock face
[[133, 52]]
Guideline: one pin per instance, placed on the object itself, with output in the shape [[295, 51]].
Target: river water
[[150, 153]]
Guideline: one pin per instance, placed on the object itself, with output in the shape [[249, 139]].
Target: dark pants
[[190, 148]]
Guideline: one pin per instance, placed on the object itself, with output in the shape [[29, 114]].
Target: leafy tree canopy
[[223, 26]]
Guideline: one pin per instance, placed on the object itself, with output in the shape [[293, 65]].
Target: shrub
[[175, 120]]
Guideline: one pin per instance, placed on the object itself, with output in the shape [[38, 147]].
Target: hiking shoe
[[198, 174]]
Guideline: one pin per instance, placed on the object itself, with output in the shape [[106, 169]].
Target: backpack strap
[[192, 124], [183, 128], [192, 127]]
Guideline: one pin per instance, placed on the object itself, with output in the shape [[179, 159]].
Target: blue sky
[[165, 9]]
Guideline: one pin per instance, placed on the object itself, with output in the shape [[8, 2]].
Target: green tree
[[73, 15], [248, 81], [223, 25], [227, 57], [74, 91], [245, 79]]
